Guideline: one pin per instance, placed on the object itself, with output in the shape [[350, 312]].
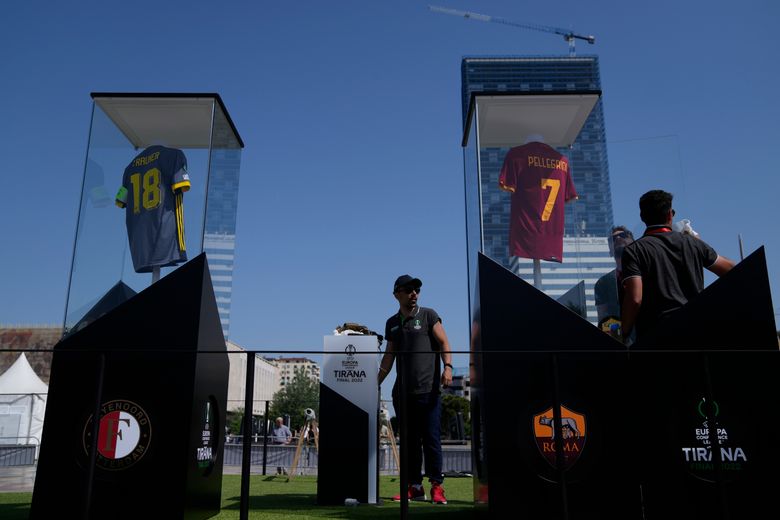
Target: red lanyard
[[662, 229]]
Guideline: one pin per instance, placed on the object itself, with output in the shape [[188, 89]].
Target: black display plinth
[[343, 457], [349, 398], [158, 367], [568, 424], [517, 386], [734, 312], [690, 407]]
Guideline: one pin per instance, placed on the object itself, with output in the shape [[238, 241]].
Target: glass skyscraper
[[588, 220], [219, 239]]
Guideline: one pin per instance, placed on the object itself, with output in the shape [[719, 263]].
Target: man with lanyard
[[418, 333], [664, 269]]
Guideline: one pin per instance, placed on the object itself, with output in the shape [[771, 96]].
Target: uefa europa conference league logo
[[699, 456], [124, 434], [350, 368], [205, 454]]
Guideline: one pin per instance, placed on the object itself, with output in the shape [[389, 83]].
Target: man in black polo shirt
[[664, 269], [418, 332]]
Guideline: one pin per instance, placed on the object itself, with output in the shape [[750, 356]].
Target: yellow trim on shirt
[[180, 220], [183, 186]]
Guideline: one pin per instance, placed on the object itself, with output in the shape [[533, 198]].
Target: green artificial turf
[[273, 498]]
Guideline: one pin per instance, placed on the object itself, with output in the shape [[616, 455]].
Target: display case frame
[[122, 125], [496, 122]]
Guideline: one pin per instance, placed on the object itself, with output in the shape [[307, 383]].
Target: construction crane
[[569, 36]]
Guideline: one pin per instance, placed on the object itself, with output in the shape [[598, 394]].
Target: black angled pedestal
[[678, 426], [154, 370]]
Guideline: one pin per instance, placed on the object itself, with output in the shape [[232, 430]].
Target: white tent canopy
[[22, 404]]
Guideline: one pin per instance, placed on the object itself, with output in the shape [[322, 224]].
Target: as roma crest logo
[[124, 434], [573, 435]]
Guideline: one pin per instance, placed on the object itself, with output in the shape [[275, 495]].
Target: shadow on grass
[[300, 505], [274, 497], [15, 511]]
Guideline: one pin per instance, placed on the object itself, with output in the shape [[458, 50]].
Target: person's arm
[[601, 311], [387, 362], [632, 301], [446, 353], [601, 305], [721, 266]]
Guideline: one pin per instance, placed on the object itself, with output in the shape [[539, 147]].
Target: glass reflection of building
[[219, 240], [589, 219]]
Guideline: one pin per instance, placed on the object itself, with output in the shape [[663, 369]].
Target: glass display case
[[608, 191], [171, 163], [521, 189]]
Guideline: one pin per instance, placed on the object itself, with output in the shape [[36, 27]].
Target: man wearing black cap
[[418, 332]]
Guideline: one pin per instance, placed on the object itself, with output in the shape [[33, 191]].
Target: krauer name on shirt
[[142, 161]]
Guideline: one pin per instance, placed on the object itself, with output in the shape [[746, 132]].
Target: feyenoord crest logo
[[573, 435], [124, 435]]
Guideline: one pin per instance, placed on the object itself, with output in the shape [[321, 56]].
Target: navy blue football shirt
[[152, 195]]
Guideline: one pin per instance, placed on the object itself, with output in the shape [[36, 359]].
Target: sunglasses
[[410, 290]]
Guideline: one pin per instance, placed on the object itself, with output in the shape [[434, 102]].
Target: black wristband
[[448, 365]]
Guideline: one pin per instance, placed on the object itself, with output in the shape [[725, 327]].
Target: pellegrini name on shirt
[[546, 162]]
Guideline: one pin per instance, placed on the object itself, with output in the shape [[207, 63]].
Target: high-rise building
[[289, 366], [266, 380], [219, 240], [588, 220]]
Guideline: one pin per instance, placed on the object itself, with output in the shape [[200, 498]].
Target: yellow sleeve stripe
[[183, 186], [506, 188], [119, 203], [180, 220]]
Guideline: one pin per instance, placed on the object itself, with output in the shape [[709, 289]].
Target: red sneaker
[[437, 493], [416, 493]]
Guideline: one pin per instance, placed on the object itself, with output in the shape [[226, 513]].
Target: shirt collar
[[413, 314]]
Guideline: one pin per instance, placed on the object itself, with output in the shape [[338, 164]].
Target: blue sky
[[350, 112]]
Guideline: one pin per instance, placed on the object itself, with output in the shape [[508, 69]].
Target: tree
[[450, 406], [235, 419], [296, 396]]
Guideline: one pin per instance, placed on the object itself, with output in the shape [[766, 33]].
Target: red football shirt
[[540, 182]]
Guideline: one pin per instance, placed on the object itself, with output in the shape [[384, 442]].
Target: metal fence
[[279, 459], [17, 455]]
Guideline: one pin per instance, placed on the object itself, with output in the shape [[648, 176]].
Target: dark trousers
[[423, 428]]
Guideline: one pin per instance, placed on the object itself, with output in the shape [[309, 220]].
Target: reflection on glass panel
[[473, 210], [641, 165], [219, 238]]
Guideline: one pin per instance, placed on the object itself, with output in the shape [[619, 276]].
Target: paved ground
[[17, 479]]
